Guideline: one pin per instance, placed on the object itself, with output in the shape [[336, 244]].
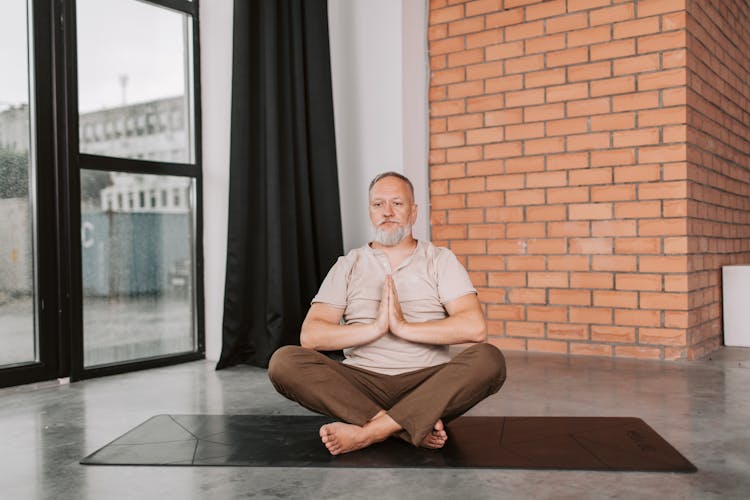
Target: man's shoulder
[[435, 252]]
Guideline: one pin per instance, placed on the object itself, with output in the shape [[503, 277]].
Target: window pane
[[137, 262], [135, 81], [17, 285]]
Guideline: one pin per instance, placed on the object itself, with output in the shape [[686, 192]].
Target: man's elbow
[[480, 331]]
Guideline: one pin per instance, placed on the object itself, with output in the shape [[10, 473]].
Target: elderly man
[[403, 302]]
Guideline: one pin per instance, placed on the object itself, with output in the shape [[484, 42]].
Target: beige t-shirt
[[425, 282]]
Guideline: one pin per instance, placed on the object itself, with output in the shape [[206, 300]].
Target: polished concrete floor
[[701, 407]]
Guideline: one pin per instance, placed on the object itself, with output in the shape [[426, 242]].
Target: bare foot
[[340, 437], [437, 438]]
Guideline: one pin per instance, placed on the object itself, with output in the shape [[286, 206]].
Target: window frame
[[75, 161]]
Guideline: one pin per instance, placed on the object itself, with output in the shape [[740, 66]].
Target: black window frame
[[58, 208]]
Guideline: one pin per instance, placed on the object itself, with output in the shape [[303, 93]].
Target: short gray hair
[[391, 174]]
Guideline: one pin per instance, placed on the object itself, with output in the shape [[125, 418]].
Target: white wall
[[216, 88], [379, 65], [379, 68]]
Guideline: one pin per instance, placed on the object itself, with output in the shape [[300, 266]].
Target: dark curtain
[[284, 216]]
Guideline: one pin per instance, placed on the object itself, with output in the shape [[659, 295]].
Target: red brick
[[441, 232], [447, 171], [465, 247], [613, 263], [465, 216], [524, 164], [613, 228], [567, 57], [447, 45], [485, 199], [566, 331], [612, 14], [574, 5], [524, 98], [466, 26], [588, 36], [663, 227], [527, 296], [563, 263], [637, 317], [590, 245], [662, 79], [570, 297], [662, 336], [502, 51], [486, 37], [485, 263], [548, 280], [637, 245], [650, 282], [610, 50], [545, 213], [505, 312], [506, 17], [612, 86], [639, 100], [446, 108], [591, 315], [524, 64], [490, 231], [546, 9], [613, 193], [549, 247], [464, 122], [466, 89], [568, 195], [447, 140], [525, 131], [637, 173], [568, 161], [619, 334], [628, 29], [662, 41], [567, 92], [484, 135], [591, 71], [662, 190], [568, 229], [447, 201], [503, 83], [653, 7], [588, 107], [503, 117], [656, 300], [508, 344], [468, 184], [591, 280], [605, 298], [508, 182], [548, 346], [637, 209], [582, 349], [517, 279], [526, 230], [438, 16], [566, 127], [548, 145], [502, 150], [637, 137], [637, 352], [590, 211], [484, 103], [624, 156], [483, 70], [524, 30], [544, 112], [525, 263], [567, 23], [588, 141], [465, 57], [545, 43], [636, 64], [544, 78], [466, 153]]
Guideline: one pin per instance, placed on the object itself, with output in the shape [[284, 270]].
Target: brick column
[[592, 196]]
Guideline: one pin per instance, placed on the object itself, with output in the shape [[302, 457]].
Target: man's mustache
[[381, 222]]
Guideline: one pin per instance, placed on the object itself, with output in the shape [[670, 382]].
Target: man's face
[[392, 210]]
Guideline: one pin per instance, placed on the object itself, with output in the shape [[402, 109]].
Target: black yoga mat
[[582, 443]]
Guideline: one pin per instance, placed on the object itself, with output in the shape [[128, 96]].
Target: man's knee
[[284, 362], [489, 363]]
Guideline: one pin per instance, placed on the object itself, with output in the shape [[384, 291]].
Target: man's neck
[[397, 253]]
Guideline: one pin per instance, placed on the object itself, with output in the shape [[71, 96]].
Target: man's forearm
[[323, 336], [456, 329]]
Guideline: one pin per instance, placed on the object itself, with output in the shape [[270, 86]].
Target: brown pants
[[415, 400]]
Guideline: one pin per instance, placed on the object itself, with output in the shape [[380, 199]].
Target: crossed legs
[[372, 406]]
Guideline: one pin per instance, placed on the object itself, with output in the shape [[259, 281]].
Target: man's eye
[[397, 203]]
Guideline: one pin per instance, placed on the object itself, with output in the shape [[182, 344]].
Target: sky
[[115, 37]]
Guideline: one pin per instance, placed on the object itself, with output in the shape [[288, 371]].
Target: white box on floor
[[736, 295]]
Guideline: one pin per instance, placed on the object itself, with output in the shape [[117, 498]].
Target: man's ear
[[414, 211]]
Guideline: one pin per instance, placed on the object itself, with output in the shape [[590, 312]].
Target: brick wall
[[718, 132], [591, 204]]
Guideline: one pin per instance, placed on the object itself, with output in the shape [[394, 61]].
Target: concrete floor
[[701, 407]]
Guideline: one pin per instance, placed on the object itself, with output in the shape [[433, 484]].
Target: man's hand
[[381, 320], [396, 321]]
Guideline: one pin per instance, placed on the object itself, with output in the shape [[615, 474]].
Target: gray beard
[[391, 238]]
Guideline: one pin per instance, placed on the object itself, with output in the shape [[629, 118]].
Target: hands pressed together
[[390, 318]]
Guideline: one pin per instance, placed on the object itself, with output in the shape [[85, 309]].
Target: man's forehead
[[391, 187]]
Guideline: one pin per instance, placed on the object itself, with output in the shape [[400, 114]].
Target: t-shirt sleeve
[[453, 280], [333, 289]]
